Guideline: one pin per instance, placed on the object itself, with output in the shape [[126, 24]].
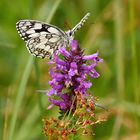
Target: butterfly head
[[70, 35]]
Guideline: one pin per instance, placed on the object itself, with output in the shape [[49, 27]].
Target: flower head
[[69, 91], [69, 76]]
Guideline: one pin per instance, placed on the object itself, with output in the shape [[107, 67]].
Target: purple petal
[[82, 88], [91, 57], [57, 77], [74, 43], [79, 79], [64, 52], [56, 85], [61, 68], [73, 65], [87, 85], [65, 96], [55, 102], [50, 106], [51, 92], [94, 74], [62, 104], [73, 69], [99, 60], [71, 73], [59, 61]]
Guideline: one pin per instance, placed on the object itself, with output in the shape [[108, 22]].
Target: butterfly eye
[[70, 33]]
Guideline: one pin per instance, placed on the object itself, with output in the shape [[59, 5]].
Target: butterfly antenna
[[80, 24]]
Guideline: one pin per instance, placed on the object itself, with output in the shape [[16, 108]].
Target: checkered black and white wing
[[42, 39]]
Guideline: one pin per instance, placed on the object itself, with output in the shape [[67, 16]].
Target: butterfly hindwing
[[44, 47]]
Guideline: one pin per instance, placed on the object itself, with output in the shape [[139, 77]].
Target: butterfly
[[43, 39]]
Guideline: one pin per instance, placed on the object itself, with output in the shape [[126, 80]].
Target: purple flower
[[64, 103], [70, 74]]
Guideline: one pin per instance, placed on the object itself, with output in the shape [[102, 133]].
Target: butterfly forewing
[[42, 40]]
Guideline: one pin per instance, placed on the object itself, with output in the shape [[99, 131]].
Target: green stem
[[134, 62], [118, 21], [133, 48], [20, 94]]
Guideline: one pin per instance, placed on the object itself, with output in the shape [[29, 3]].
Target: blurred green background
[[113, 29]]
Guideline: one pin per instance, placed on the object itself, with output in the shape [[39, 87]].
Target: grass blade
[[24, 79]]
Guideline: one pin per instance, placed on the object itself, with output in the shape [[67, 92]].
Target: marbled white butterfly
[[43, 39]]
